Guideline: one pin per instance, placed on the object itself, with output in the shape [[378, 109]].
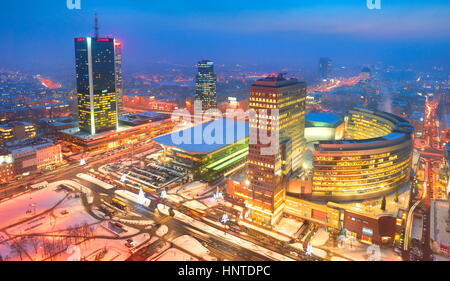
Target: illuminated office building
[[376, 161], [205, 85], [15, 132], [268, 172], [96, 84], [119, 78], [373, 160]]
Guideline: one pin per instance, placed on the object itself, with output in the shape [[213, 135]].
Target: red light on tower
[[80, 39], [118, 44]]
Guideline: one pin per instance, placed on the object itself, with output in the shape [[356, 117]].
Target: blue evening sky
[[38, 34]]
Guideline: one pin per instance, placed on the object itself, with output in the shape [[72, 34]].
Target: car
[[130, 243]]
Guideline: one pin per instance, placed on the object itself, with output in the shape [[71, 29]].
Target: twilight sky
[[37, 35]]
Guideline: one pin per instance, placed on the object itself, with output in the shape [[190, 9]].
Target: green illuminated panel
[[229, 162], [226, 158]]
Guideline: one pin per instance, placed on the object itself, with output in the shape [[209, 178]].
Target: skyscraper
[[205, 85], [325, 68], [96, 84], [268, 173], [119, 79]]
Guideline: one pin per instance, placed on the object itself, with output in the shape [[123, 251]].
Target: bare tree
[[34, 241], [17, 250]]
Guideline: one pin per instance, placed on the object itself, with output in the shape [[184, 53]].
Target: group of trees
[[50, 245]]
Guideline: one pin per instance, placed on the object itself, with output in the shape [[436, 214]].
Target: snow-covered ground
[[61, 229], [288, 226], [273, 234], [195, 205], [210, 202], [417, 227], [96, 181], [229, 237], [438, 231], [133, 197], [175, 255], [320, 237], [191, 190], [35, 202], [174, 198], [192, 245], [357, 251], [338, 259]]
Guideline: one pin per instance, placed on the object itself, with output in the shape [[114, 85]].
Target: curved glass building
[[374, 159]]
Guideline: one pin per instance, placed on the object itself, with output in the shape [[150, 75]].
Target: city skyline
[[225, 131]]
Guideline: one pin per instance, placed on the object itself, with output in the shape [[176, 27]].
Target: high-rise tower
[[279, 105], [205, 85], [325, 68], [96, 83], [119, 79], [95, 62]]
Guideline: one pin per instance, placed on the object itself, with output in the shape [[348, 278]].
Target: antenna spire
[[96, 25]]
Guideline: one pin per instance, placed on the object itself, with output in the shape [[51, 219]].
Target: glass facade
[[376, 162], [96, 84], [119, 79], [205, 85], [325, 68], [268, 174]]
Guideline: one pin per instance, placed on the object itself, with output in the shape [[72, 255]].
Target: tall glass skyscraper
[[268, 173], [205, 85], [96, 84], [325, 68], [119, 79]]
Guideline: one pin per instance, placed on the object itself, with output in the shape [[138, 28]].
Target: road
[[219, 247]]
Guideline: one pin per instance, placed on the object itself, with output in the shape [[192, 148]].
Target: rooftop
[[319, 119], [31, 145], [225, 131], [275, 80], [85, 135], [142, 117]]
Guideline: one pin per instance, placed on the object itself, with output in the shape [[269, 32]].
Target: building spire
[[96, 25]]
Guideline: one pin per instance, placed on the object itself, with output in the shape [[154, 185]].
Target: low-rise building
[[36, 156], [132, 128], [15, 132], [6, 166], [208, 161]]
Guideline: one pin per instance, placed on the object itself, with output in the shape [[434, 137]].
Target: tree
[[35, 241], [17, 249], [383, 203]]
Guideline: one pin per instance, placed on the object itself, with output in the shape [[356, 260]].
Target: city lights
[[225, 132]]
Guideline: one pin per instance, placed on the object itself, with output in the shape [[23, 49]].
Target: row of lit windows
[[373, 175]]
